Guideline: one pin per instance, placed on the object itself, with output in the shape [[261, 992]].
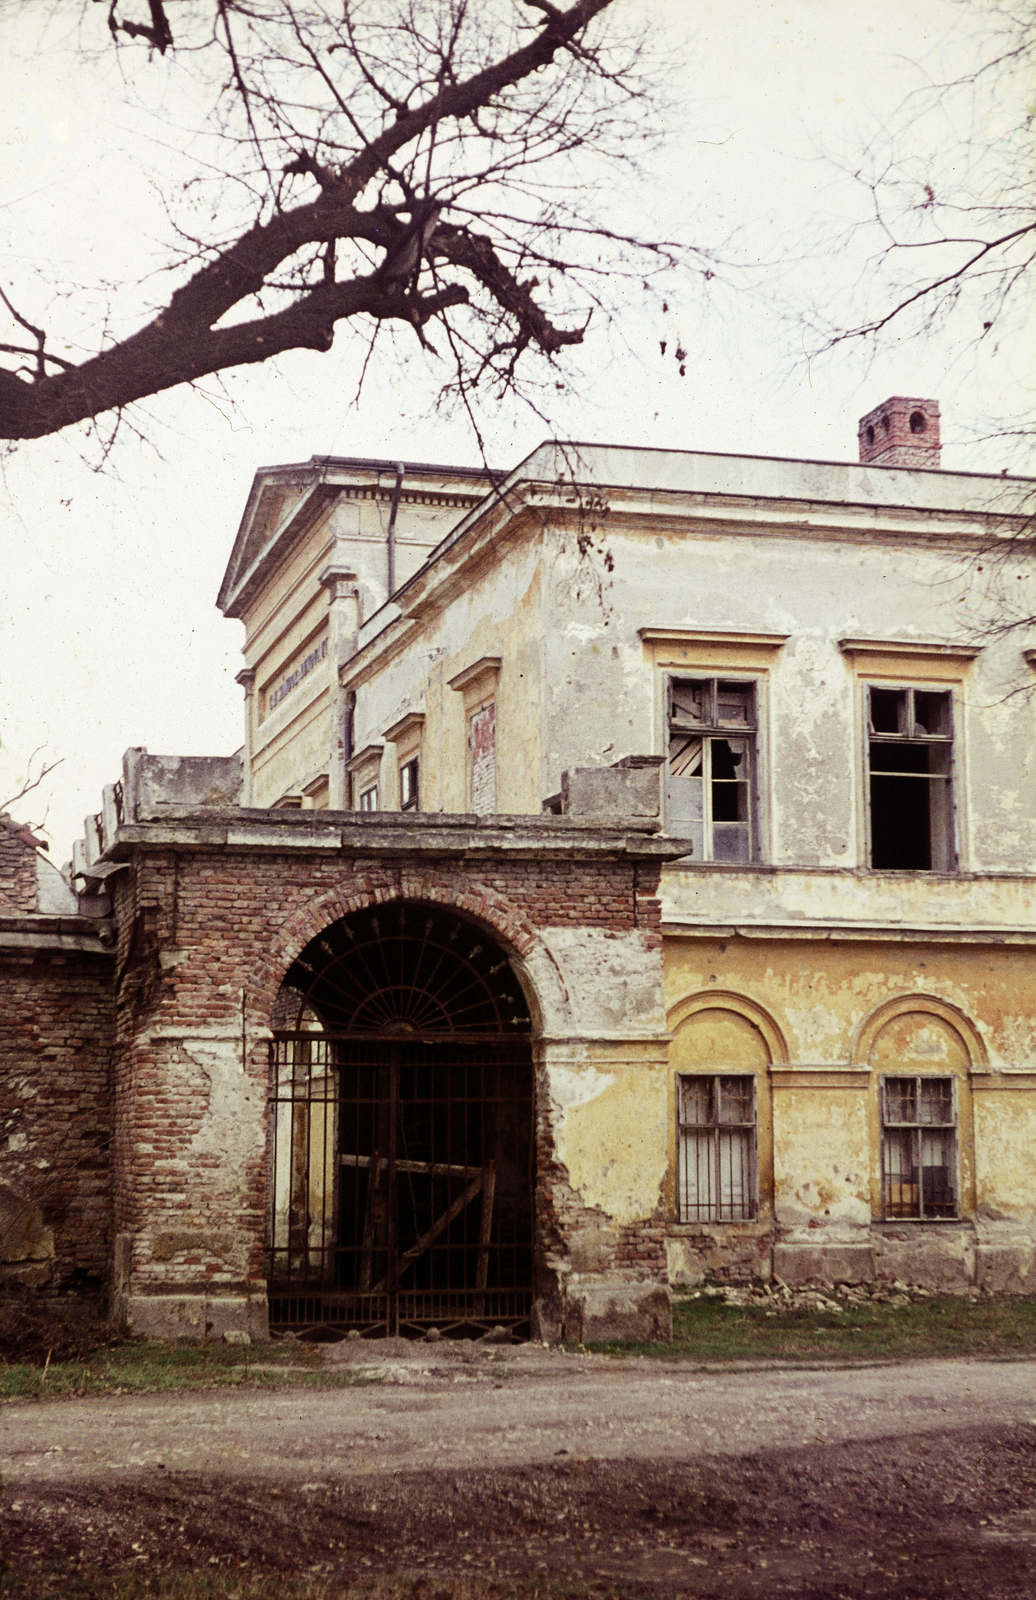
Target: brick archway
[[534, 967], [401, 1128]]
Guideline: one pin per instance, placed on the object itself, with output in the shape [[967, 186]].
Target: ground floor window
[[717, 1147], [919, 1148]]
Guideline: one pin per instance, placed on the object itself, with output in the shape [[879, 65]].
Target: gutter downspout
[[396, 492], [348, 715]]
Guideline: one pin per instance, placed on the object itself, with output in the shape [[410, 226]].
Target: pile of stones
[[777, 1299]]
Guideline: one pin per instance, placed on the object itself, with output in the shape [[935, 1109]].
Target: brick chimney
[[901, 433]]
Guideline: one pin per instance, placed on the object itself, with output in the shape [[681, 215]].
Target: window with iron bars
[[919, 1148], [710, 753], [718, 1170]]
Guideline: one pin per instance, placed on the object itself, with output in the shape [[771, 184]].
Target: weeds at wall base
[[711, 1329], [704, 1330]]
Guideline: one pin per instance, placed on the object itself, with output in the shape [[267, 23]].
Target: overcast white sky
[[109, 635]]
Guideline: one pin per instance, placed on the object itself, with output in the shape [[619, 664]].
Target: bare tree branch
[[953, 218], [30, 782], [319, 93]]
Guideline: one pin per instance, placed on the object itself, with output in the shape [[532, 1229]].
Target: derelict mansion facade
[[628, 876]]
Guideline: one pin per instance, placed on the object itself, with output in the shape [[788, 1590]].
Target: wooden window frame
[[907, 738], [917, 1128], [410, 779], [706, 1135], [709, 729]]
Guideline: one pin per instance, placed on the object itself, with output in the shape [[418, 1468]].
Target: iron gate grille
[[401, 1182]]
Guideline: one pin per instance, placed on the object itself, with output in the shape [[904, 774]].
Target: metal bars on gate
[[400, 1181]]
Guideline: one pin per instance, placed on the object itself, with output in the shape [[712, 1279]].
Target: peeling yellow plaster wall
[[298, 750], [820, 1152], [819, 992], [1005, 1153], [827, 1136], [610, 1134]]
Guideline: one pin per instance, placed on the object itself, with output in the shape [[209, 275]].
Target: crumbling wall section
[[55, 1117], [205, 938]]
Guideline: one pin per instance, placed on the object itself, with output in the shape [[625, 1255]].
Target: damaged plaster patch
[[575, 1086], [224, 1246], [819, 1031], [1006, 1125], [928, 1044], [230, 1126], [610, 1135], [548, 983], [23, 1236], [615, 982], [582, 632], [1015, 1048]]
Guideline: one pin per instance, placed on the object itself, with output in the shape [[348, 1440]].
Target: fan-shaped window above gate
[[406, 969]]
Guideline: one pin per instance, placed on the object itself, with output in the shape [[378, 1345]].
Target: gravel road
[[831, 1482]]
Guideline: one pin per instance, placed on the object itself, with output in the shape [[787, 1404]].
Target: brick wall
[[17, 867], [204, 942], [55, 1100]]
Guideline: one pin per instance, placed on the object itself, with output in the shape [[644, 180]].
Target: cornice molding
[[678, 635], [365, 757], [932, 649], [411, 723], [484, 667]]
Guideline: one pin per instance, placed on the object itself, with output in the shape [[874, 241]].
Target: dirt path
[[914, 1479]]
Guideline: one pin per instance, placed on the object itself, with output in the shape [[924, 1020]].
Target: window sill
[[773, 868], [882, 1223], [760, 1229]]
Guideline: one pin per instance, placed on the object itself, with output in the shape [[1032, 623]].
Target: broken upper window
[[409, 791], [716, 1131], [710, 767], [919, 1148], [910, 757]]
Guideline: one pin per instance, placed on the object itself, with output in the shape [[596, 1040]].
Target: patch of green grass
[[949, 1325], [150, 1365]]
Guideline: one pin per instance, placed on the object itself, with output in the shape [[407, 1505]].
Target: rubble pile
[[777, 1299]]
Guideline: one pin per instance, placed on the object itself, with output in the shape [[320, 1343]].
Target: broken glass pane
[[736, 1099], [734, 704], [685, 758], [685, 800], [932, 714], [729, 780], [696, 1095], [888, 710]]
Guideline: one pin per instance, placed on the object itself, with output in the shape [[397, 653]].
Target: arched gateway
[[401, 1151]]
